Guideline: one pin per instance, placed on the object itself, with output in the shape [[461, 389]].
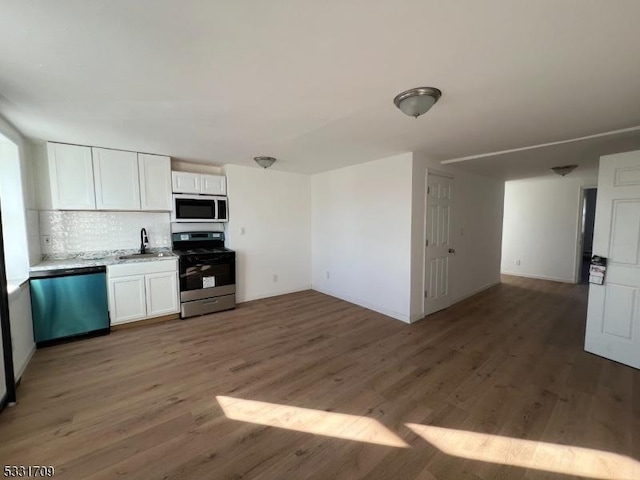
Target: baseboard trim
[[146, 321], [26, 363], [260, 296], [539, 277], [389, 313], [418, 316], [477, 291]]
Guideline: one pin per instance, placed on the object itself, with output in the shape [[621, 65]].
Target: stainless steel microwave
[[199, 208]]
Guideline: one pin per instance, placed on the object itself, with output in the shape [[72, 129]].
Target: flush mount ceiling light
[[564, 169], [417, 101], [265, 162]]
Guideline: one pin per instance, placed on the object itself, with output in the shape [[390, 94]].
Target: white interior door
[[613, 318], [437, 245]]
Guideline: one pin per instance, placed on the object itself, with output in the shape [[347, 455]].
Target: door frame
[[450, 176], [5, 329], [577, 270]]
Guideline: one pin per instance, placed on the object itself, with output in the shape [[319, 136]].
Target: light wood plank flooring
[[305, 386]]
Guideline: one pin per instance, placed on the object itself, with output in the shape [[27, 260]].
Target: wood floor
[[305, 386]]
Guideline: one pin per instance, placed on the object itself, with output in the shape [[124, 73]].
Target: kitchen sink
[[134, 256]]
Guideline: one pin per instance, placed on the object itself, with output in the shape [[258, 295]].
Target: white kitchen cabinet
[[154, 172], [70, 177], [127, 299], [199, 183], [213, 185], [185, 182], [116, 177], [161, 291], [143, 290]]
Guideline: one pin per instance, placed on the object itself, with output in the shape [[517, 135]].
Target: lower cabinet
[[142, 290], [162, 296]]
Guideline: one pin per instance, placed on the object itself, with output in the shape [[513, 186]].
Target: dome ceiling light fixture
[[564, 169], [265, 162], [417, 101]]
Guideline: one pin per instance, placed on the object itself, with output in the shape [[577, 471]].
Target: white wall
[[476, 232], [361, 234], [21, 328], [273, 209], [13, 213], [541, 225], [20, 310]]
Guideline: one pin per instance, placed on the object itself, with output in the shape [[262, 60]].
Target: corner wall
[[541, 226], [19, 303], [270, 229], [475, 232], [361, 234]]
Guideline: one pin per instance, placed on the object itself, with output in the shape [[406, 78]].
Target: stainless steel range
[[207, 273]]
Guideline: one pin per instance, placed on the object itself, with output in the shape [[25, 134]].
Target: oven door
[[207, 278], [194, 208]]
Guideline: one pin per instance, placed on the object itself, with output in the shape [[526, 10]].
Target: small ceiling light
[[265, 162], [417, 101], [564, 170]]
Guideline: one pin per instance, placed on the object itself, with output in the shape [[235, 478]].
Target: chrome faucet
[[144, 241]]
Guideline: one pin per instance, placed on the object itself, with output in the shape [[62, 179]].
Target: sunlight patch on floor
[[550, 457], [317, 422]]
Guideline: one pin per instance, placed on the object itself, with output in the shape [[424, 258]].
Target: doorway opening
[[589, 196]]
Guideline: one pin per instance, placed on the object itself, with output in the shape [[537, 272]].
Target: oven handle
[[209, 302], [217, 261]]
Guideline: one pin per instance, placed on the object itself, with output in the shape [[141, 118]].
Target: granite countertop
[[97, 259]]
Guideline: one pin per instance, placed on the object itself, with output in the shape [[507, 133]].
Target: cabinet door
[[155, 182], [116, 178], [127, 299], [213, 185], [184, 182], [162, 293], [71, 177]]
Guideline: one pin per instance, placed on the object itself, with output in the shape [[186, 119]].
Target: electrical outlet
[[242, 231], [517, 261], [46, 240], [275, 277], [328, 274]]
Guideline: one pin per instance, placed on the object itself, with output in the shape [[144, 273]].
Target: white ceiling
[[538, 161], [313, 82]]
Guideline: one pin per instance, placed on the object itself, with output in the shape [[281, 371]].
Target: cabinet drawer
[[142, 268]]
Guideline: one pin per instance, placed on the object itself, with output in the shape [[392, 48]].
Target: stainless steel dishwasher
[[68, 303]]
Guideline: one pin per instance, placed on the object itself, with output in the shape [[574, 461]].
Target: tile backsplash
[[75, 232]]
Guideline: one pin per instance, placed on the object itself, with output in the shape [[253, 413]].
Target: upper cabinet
[[70, 177], [155, 182], [213, 184], [199, 183], [184, 182], [117, 180]]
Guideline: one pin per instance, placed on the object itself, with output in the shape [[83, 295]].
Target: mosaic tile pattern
[[79, 232]]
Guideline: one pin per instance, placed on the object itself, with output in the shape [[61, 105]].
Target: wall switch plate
[[242, 231], [517, 262], [46, 240], [328, 274], [275, 277]]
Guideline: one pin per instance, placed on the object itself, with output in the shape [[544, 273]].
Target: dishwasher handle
[[67, 272]]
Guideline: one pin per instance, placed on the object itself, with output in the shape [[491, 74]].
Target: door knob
[[452, 251]]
